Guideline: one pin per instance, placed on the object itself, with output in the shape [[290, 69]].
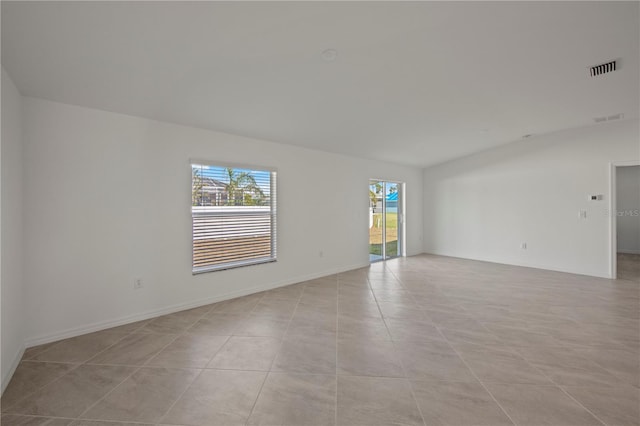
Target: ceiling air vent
[[603, 68]]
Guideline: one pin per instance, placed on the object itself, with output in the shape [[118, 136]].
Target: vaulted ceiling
[[416, 83]]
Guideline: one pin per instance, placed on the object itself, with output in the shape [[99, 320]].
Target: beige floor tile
[[540, 405], [29, 377], [105, 423], [128, 328], [401, 310], [456, 404], [258, 326], [357, 310], [145, 396], [17, 420], [280, 309], [624, 364], [583, 336], [433, 360], [188, 350], [414, 329], [217, 397], [368, 358], [319, 325], [319, 312], [472, 334], [514, 327], [33, 351], [240, 306], [319, 299], [73, 393], [170, 324], [365, 328], [216, 325], [496, 365], [566, 366], [295, 400], [290, 292], [614, 406], [393, 295], [370, 401], [134, 349], [79, 349], [451, 320], [246, 353], [522, 337], [306, 355]]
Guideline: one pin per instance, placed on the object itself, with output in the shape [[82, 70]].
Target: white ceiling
[[416, 83]]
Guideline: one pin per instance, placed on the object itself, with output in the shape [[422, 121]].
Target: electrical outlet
[[137, 283], [523, 246], [321, 253]]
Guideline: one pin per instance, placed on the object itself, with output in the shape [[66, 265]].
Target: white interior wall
[[11, 277], [486, 205], [108, 199], [628, 209]]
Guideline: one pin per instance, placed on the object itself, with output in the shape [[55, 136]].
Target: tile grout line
[[413, 394], [560, 387], [179, 397], [37, 416], [476, 376], [79, 417], [439, 328], [580, 404], [511, 351], [266, 376], [542, 373], [120, 384], [24, 397], [184, 333], [115, 343], [76, 365], [415, 400]]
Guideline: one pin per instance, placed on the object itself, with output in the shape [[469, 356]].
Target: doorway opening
[[625, 221], [386, 220]]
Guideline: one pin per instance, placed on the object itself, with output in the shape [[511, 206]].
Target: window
[[233, 212]]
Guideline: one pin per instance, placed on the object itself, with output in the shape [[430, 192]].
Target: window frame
[[273, 213]]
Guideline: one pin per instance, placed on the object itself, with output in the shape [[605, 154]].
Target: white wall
[[109, 199], [628, 207], [485, 205], [11, 278]]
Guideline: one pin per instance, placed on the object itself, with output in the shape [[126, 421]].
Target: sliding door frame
[[400, 218]]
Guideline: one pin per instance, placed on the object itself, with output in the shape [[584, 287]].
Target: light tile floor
[[422, 340], [629, 266]]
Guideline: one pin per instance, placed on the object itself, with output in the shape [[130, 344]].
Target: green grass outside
[[375, 235], [392, 248]]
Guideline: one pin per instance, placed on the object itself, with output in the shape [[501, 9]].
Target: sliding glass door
[[385, 220]]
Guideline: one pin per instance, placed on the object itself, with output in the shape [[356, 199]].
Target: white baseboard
[[14, 364], [102, 325], [525, 265]]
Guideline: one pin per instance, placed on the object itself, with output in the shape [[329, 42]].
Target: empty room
[[320, 213]]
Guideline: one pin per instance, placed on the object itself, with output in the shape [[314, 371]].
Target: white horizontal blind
[[233, 213]]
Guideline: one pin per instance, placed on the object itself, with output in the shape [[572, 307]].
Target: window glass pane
[[233, 216]]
